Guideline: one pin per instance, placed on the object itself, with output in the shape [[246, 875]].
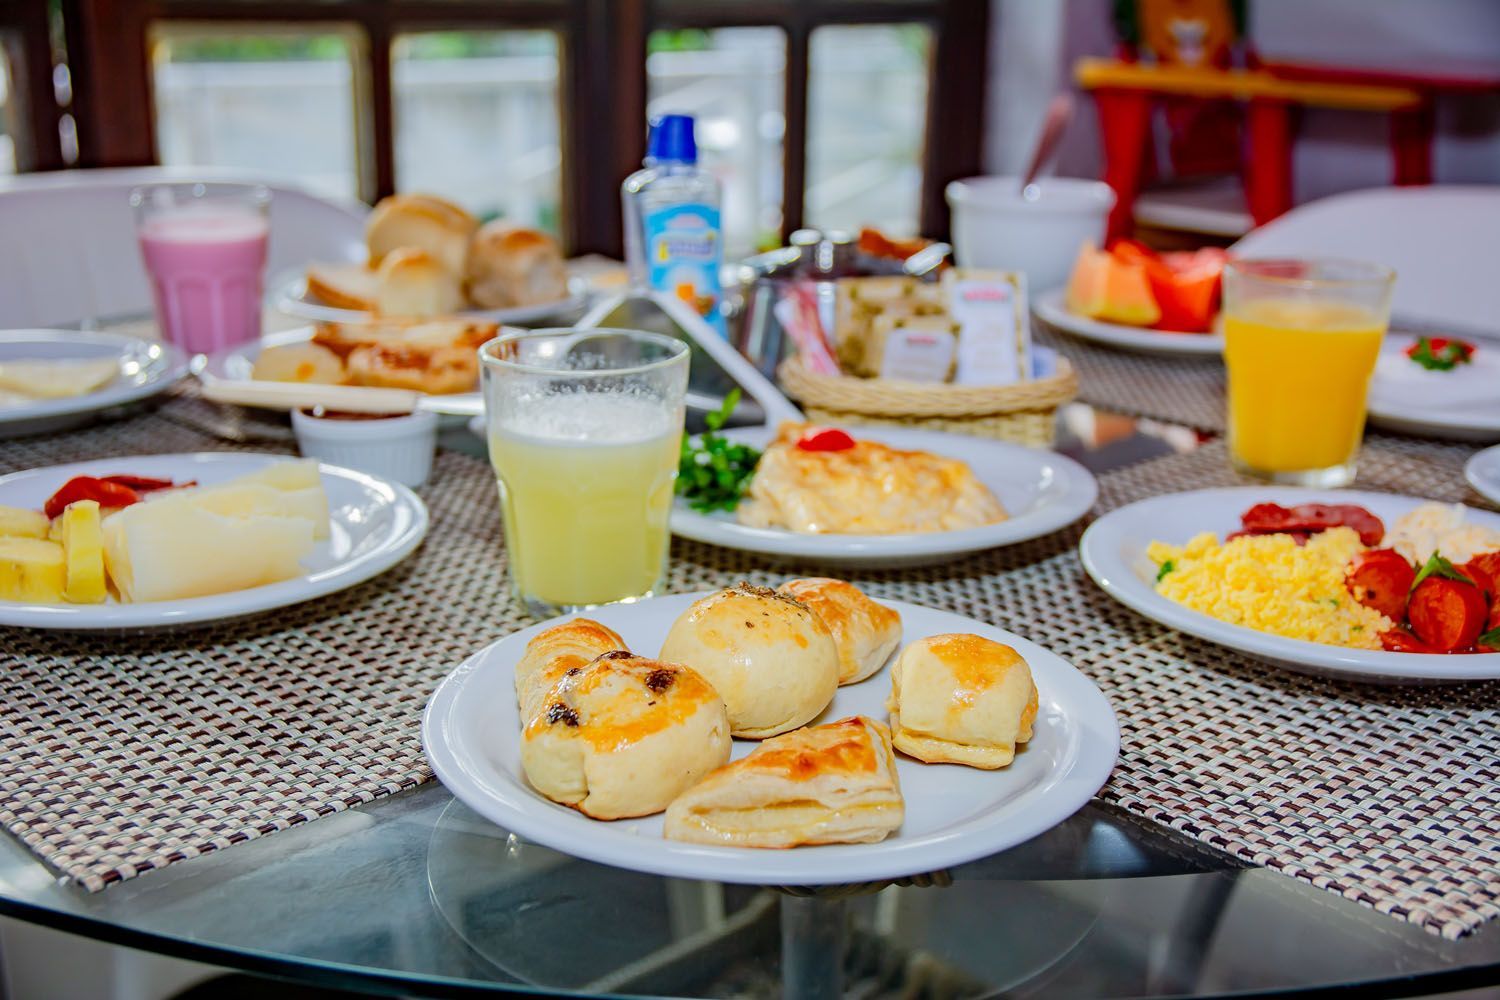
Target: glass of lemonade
[[1300, 342], [585, 430]]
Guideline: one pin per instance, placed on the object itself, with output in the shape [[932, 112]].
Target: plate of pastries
[[426, 256], [805, 734]]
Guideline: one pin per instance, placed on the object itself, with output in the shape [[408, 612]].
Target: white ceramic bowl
[[396, 447], [995, 227]]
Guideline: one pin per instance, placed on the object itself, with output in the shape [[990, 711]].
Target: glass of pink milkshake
[[204, 246]]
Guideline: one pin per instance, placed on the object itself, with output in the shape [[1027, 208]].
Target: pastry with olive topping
[[771, 659], [864, 631], [832, 784], [553, 652], [624, 735], [961, 699]]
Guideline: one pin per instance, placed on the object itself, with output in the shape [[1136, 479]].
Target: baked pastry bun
[[298, 363], [624, 736], [448, 331], [553, 653], [864, 631], [422, 221], [511, 265], [436, 370], [833, 784], [347, 286], [769, 657], [413, 282], [961, 699]]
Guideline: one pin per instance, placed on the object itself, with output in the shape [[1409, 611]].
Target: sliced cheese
[[83, 553], [17, 522], [57, 378], [31, 569], [247, 500], [299, 475]]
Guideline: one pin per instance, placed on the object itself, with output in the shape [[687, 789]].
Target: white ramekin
[[396, 447], [994, 226]]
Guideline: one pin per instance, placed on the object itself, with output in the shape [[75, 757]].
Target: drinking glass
[[1300, 342], [585, 431], [204, 246]]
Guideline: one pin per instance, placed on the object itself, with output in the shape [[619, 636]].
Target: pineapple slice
[[16, 522], [31, 569], [83, 553]]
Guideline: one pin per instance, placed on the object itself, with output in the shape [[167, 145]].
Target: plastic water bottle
[[673, 241]]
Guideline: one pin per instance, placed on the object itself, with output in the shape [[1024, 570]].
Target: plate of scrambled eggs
[[886, 496], [1282, 596]]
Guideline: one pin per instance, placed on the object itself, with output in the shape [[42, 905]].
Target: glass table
[[415, 895]]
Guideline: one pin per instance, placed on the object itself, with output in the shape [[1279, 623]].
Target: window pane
[[476, 121], [867, 114], [259, 99], [7, 111], [733, 81]]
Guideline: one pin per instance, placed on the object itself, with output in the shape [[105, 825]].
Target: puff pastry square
[[865, 632], [961, 699], [830, 784]]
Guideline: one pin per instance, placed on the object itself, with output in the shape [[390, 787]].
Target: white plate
[[1483, 473], [1463, 403], [293, 298], [1042, 490], [237, 364], [1049, 307], [1114, 553], [146, 368], [954, 814], [375, 523]]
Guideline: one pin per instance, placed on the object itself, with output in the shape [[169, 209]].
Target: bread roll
[[555, 652], [347, 286], [770, 658], [961, 699], [624, 736], [865, 632], [436, 370], [511, 265], [413, 282], [343, 338], [424, 222], [307, 362], [833, 784]]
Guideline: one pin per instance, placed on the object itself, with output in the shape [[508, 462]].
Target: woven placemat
[[130, 753]]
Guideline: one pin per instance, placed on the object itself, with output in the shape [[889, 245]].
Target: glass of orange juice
[[1300, 342]]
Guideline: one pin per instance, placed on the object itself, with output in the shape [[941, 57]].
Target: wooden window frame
[[27, 41], [602, 87]]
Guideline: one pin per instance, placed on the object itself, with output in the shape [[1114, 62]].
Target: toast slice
[[345, 286]]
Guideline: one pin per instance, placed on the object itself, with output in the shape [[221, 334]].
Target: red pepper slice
[[90, 488], [141, 484], [825, 439]]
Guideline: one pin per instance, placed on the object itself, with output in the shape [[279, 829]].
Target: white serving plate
[[1113, 550], [237, 363], [1042, 490], [292, 297], [375, 523], [1463, 403], [1482, 470], [954, 814], [146, 368], [1049, 307]]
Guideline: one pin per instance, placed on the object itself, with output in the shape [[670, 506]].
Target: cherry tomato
[[1447, 615], [1381, 579], [825, 439], [90, 488]]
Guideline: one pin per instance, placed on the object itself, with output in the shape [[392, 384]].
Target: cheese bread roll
[[624, 736], [770, 658], [961, 699], [864, 631], [833, 784]]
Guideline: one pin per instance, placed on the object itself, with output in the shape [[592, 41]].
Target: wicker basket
[[1025, 412]]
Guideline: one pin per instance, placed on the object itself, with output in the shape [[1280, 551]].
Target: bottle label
[[683, 254]]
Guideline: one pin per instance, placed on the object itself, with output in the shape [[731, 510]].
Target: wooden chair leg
[[1124, 125], [1268, 159]]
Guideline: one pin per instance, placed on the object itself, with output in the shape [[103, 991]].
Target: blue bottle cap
[[671, 140]]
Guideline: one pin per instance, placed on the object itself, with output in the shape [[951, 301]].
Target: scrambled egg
[[1269, 583], [1441, 528]]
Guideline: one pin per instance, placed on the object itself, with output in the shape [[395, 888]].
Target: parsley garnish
[[1440, 354], [1438, 566], [1166, 568], [1490, 639], [713, 472]]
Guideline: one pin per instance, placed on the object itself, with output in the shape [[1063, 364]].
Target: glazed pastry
[[343, 338], [865, 632], [413, 282], [347, 286], [624, 736], [298, 363], [435, 370], [510, 265], [770, 658], [422, 221], [553, 652], [833, 784], [961, 699]]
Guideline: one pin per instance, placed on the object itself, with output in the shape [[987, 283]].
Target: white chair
[[68, 251], [1443, 242]]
